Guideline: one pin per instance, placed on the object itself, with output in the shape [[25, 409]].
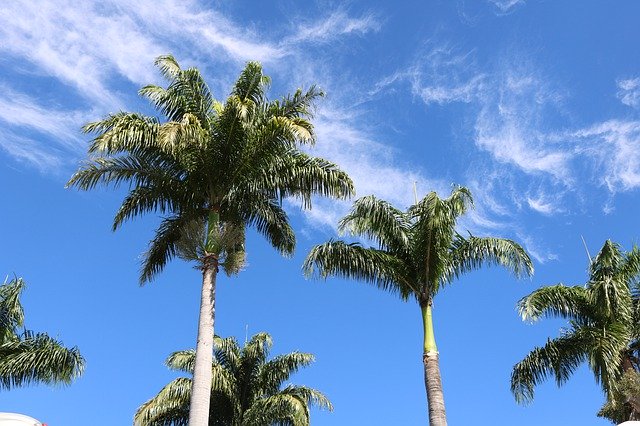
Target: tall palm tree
[[247, 390], [604, 326], [212, 169], [418, 252], [26, 356]]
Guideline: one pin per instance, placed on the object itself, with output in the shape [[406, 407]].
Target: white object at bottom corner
[[14, 419]]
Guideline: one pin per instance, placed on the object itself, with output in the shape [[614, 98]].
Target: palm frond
[[377, 267], [559, 358], [123, 132], [379, 221], [170, 407], [11, 312], [182, 361], [473, 252], [275, 372], [164, 245], [38, 358], [556, 301]]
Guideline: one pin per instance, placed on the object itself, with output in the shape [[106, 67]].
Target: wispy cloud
[[614, 145], [544, 204], [506, 6], [629, 92], [440, 75], [45, 159], [338, 23], [21, 111], [535, 249], [508, 124], [371, 163]]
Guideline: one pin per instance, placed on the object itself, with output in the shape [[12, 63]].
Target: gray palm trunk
[[201, 383], [432, 378]]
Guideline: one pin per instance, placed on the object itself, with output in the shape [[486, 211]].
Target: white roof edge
[[18, 418]]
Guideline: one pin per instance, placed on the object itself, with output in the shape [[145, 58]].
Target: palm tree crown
[[604, 326], [232, 162], [417, 252], [26, 356], [247, 389]]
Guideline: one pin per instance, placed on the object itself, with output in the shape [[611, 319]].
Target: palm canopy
[[28, 357], [417, 251], [247, 388], [603, 325], [226, 165]]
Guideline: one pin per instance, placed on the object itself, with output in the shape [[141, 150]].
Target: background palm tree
[[213, 169], [26, 356], [418, 251], [247, 390], [603, 331]]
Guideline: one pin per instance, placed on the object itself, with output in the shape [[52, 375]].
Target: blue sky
[[534, 105]]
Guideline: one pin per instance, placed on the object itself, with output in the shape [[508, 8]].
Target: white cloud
[[615, 147], [509, 121], [440, 75], [370, 163], [45, 159], [19, 110], [535, 249], [336, 24], [505, 6], [542, 204], [629, 92]]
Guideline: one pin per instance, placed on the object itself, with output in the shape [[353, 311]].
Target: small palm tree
[[418, 252], [247, 390], [212, 169], [28, 357], [604, 328]]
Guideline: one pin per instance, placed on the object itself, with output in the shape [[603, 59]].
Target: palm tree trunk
[[201, 383], [432, 379]]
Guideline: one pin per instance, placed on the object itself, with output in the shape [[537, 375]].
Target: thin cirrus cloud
[[614, 146], [440, 74], [372, 165], [336, 24], [629, 92], [506, 6], [96, 49]]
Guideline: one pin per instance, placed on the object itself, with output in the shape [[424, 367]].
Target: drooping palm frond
[[246, 390], [603, 317], [352, 261], [37, 358], [555, 301], [379, 221], [11, 312], [473, 252], [559, 358], [28, 357]]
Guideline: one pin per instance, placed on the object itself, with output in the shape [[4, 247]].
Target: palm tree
[[28, 357], [604, 327], [247, 390], [212, 169], [418, 252]]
